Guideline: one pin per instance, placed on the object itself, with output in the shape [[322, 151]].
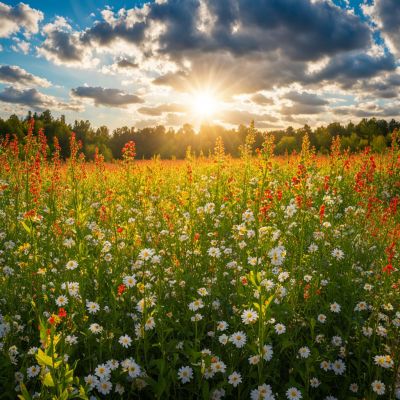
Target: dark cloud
[[21, 17], [299, 109], [106, 97], [33, 99], [16, 75], [310, 99], [369, 111], [161, 109], [303, 29], [63, 46], [104, 33], [261, 100], [387, 14], [348, 68], [125, 63]]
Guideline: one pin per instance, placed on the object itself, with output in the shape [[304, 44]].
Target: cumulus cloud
[[63, 46], [261, 100], [20, 77], [386, 14], [348, 68], [106, 97], [19, 18], [245, 117], [35, 100], [162, 108], [310, 99]]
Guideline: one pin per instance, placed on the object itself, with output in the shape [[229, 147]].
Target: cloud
[[63, 46], [305, 98], [20, 46], [161, 109], [236, 117], [386, 14], [261, 100], [348, 68], [106, 97], [35, 100], [20, 77], [21, 17], [125, 63], [301, 109]]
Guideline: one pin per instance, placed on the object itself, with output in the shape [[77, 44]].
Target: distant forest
[[169, 143]]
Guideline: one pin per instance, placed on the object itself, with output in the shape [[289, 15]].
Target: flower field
[[208, 278]]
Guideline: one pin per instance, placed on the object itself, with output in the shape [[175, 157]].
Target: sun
[[204, 104]]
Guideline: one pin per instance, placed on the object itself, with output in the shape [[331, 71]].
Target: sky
[[170, 62]]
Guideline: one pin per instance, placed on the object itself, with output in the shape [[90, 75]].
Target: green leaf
[[26, 227], [25, 394]]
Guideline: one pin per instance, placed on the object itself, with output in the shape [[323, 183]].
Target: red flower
[[62, 313], [388, 269], [121, 289], [52, 320], [120, 230], [321, 212]]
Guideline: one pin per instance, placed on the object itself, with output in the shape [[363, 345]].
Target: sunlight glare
[[204, 104]]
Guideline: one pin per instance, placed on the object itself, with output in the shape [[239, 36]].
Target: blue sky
[[279, 62]]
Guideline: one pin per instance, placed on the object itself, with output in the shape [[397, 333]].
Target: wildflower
[[314, 382], [249, 316], [102, 371], [91, 381], [61, 313], [185, 374], [222, 326], [214, 252], [335, 308], [293, 394], [238, 339], [129, 281], [33, 371], [235, 378], [61, 301], [304, 352], [95, 328], [202, 292], [149, 324], [254, 360], [92, 307], [277, 255], [267, 352], [134, 369], [104, 387], [338, 254], [280, 328], [218, 366], [125, 341], [71, 265], [378, 387], [338, 367], [384, 361], [321, 318], [353, 387], [262, 392], [196, 305]]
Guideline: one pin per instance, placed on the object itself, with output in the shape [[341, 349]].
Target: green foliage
[[168, 143]]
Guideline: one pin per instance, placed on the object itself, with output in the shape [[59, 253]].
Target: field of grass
[[250, 278]]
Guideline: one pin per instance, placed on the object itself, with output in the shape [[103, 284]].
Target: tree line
[[169, 142]]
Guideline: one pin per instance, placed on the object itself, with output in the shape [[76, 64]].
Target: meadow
[[260, 277]]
